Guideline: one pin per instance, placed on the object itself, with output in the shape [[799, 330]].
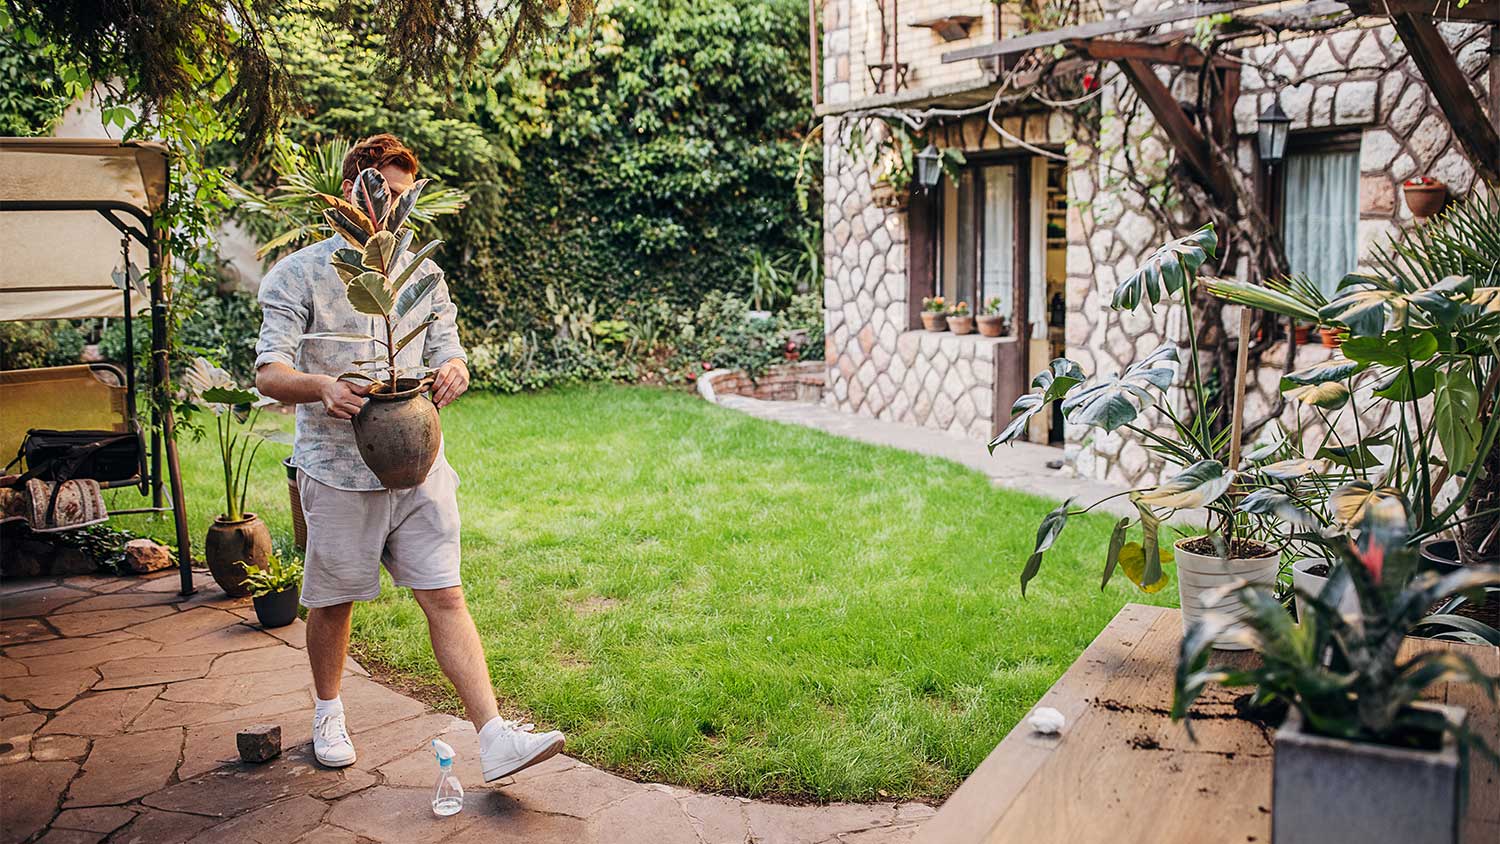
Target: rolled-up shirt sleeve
[[441, 343], [285, 311]]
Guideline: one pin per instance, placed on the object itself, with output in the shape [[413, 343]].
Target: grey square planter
[[1332, 791]]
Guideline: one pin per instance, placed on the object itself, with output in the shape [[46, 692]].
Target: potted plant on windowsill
[[935, 313], [1425, 196], [1360, 757], [397, 430], [275, 591], [960, 320], [992, 320], [236, 537]]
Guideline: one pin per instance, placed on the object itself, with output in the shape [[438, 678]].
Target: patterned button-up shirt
[[303, 294]]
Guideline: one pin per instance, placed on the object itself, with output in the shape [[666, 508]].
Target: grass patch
[[704, 598]]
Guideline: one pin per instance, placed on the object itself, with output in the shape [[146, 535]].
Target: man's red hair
[[383, 150]]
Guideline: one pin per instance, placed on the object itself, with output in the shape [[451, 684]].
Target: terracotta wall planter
[[934, 321], [231, 543], [399, 435], [961, 324], [1331, 337], [1425, 200], [1200, 574], [1333, 791]]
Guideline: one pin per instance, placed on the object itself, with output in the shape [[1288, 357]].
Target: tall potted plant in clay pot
[[1243, 540], [237, 538], [1360, 757], [397, 430]]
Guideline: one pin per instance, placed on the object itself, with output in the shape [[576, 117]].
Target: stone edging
[[801, 381]]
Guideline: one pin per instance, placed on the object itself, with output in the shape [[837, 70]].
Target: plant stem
[[227, 456], [390, 352]]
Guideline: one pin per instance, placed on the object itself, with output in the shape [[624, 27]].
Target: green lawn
[[703, 598]]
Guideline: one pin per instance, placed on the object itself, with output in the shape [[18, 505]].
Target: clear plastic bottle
[[448, 795]]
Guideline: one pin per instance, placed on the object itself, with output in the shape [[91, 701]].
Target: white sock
[[323, 707], [492, 730]]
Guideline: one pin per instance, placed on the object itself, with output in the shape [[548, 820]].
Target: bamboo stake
[[1241, 364]]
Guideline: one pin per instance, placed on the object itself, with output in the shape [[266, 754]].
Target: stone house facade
[[1038, 215]]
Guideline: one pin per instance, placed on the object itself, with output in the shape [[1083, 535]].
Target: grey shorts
[[350, 535]]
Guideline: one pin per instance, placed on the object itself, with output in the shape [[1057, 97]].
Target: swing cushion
[[86, 397]]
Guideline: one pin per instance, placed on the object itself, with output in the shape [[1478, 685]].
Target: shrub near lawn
[[708, 599]]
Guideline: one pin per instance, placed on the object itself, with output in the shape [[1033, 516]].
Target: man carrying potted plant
[[312, 339]]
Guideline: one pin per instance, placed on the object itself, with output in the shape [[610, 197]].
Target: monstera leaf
[[372, 196], [1455, 415], [1199, 485], [1050, 384], [1393, 349], [1168, 269], [1271, 502], [405, 204], [1046, 534], [1119, 399]]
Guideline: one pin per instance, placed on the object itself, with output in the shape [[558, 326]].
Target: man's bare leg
[[328, 646], [455, 643]]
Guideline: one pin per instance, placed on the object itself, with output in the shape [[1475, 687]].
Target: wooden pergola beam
[[1106, 50], [1482, 11], [1466, 118], [1185, 137]]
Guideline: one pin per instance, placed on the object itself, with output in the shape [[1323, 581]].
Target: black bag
[[104, 456]]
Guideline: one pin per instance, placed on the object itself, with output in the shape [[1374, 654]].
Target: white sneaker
[[331, 744], [517, 748]]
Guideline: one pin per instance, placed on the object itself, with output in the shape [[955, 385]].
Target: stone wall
[[788, 382]]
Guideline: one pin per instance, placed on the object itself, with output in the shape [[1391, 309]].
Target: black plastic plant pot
[[1440, 555], [277, 609]]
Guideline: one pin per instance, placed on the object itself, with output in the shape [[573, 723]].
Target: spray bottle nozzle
[[443, 751]]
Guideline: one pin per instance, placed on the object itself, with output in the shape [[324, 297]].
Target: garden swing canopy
[[60, 244]]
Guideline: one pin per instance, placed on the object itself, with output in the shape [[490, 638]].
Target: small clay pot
[[1332, 338], [1301, 333], [229, 544], [398, 434], [961, 324], [990, 325], [277, 609], [934, 321], [1425, 200]]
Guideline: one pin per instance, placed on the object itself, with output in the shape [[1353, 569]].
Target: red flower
[[1089, 83]]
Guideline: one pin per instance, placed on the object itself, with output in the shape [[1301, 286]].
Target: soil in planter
[[1319, 570], [1240, 549]]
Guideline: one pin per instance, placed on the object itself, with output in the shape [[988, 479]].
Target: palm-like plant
[[236, 410], [292, 211], [377, 280]]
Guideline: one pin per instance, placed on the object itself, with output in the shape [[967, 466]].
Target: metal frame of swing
[[163, 424]]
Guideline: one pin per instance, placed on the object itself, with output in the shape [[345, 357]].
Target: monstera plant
[[397, 430]]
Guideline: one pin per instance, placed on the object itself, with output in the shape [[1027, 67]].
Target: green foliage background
[[650, 155]]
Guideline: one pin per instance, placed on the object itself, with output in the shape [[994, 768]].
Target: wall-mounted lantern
[[929, 168], [1270, 132]]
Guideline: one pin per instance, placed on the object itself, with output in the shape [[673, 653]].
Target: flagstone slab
[[100, 621], [36, 602], [370, 704], [14, 585], [717, 818], [103, 584], [235, 637], [211, 746], [12, 668], [14, 631], [234, 789], [277, 657], [70, 836], [31, 794], [170, 581], [578, 792], [157, 827], [102, 713], [122, 600], [902, 834], [383, 744], [15, 736], [90, 657], [58, 748], [294, 634], [148, 670], [649, 817], [54, 646], [103, 820], [504, 820], [274, 824], [238, 689], [330, 834], [49, 691], [774, 823], [185, 625], [125, 767], [165, 713], [401, 816], [12, 707]]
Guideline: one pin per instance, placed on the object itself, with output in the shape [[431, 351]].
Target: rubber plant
[[377, 281]]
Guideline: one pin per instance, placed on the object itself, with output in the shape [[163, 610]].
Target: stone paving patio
[[120, 700]]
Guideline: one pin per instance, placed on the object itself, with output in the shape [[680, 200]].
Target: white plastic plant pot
[[1200, 576], [1312, 584]]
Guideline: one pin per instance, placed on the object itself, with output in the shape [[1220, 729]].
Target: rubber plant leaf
[[1119, 399], [338, 337], [1112, 556], [347, 220], [380, 252], [350, 256], [403, 241], [405, 204], [1199, 485], [369, 295], [1167, 270], [1046, 534], [1273, 502], [1455, 415], [416, 332], [372, 196], [415, 292], [411, 267], [347, 272]]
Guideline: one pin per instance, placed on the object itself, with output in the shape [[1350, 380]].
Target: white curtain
[[998, 261], [1320, 215]]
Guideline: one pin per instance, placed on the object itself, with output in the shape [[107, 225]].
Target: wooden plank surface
[[1123, 772]]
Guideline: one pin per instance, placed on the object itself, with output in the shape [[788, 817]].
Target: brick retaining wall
[[801, 381]]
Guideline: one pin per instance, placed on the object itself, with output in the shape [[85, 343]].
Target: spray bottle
[[448, 795]]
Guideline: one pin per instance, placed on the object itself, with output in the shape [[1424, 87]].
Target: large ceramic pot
[[277, 609], [1199, 575], [1335, 791], [398, 434], [229, 544]]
